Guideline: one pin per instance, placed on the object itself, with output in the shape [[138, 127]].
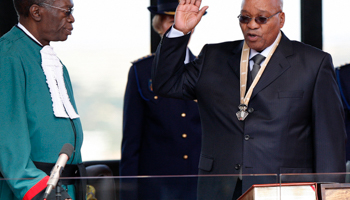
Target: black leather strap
[[68, 171]]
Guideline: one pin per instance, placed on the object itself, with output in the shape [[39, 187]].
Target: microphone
[[56, 171]]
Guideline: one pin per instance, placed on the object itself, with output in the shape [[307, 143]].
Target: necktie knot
[[257, 59]]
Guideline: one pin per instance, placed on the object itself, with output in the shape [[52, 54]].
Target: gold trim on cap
[[169, 12]]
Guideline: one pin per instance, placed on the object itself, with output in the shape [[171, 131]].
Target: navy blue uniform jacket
[[296, 124], [343, 74], [161, 136]]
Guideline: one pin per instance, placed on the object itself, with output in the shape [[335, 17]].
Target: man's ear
[[282, 19], [35, 12]]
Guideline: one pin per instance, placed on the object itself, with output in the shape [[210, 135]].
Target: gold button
[[184, 135], [185, 157], [195, 100], [155, 97], [183, 115]]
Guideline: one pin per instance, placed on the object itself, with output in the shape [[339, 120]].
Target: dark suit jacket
[[158, 139], [297, 123]]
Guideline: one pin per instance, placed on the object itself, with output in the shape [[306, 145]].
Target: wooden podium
[[335, 191], [284, 191], [298, 191]]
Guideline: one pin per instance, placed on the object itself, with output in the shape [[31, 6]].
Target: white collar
[[187, 58], [28, 33]]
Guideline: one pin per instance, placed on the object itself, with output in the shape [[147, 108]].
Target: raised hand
[[188, 15]]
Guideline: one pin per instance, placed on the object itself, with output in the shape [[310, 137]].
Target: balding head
[[280, 3]]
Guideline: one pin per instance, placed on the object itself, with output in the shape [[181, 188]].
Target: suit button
[[184, 135], [250, 110], [156, 97], [183, 115], [185, 157], [237, 166], [247, 137]]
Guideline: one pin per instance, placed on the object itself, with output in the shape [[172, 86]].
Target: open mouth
[[252, 36]]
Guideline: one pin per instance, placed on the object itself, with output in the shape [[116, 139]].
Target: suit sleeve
[[328, 121], [171, 77], [25, 180]]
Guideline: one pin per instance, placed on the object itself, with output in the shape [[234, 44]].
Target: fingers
[[198, 3], [188, 15], [191, 2], [202, 11]]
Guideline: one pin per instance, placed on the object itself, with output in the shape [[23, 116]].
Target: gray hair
[[22, 6], [281, 4]]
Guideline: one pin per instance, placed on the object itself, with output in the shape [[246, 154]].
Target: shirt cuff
[[174, 33]]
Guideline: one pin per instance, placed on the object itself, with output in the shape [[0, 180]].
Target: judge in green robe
[[38, 114]]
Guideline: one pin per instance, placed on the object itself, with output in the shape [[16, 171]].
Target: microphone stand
[[58, 190]]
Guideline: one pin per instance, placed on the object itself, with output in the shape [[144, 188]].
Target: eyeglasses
[[259, 20], [67, 12]]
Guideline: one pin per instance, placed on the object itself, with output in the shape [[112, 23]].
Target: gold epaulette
[[143, 58], [346, 64]]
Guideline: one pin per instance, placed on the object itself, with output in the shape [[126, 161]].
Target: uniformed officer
[[342, 74], [161, 136]]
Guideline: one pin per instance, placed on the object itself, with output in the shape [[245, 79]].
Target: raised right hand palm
[[188, 15]]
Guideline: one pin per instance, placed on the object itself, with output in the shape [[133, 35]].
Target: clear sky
[[110, 34]]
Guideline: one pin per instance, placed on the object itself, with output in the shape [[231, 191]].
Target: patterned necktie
[[257, 59]]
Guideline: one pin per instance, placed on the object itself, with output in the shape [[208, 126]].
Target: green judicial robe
[[29, 131]]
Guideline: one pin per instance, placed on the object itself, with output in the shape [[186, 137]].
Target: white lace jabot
[[53, 71]]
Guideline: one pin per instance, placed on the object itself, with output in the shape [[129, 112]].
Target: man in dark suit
[[288, 119]]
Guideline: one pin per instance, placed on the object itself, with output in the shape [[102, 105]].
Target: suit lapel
[[277, 66], [234, 60]]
